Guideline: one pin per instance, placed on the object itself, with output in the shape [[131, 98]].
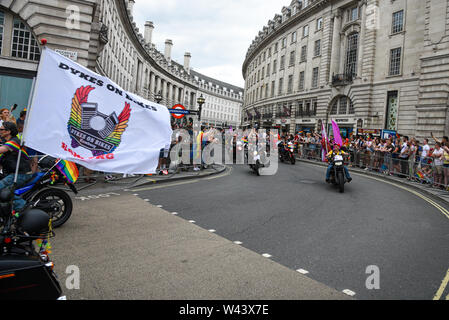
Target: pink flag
[[337, 135], [323, 143]]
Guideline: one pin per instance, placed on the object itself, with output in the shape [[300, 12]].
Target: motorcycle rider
[[8, 160], [336, 151]]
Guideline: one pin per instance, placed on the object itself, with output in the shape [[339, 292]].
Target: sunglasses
[[2, 129]]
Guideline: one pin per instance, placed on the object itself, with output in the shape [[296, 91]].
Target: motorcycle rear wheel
[[61, 205]]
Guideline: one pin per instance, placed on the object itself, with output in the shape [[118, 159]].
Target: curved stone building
[[102, 35], [370, 64]]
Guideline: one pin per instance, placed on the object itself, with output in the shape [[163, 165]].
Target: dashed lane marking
[[302, 271], [238, 242], [266, 255], [192, 221], [174, 213], [349, 292], [212, 230]]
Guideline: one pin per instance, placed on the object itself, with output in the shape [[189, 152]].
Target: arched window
[[342, 106], [24, 45]]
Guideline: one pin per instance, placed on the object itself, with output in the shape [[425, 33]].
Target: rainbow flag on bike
[[69, 170]]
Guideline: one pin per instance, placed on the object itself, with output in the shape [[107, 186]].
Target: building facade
[[101, 35], [373, 64]]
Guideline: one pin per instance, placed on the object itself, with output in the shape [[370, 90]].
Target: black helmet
[[6, 195], [34, 221]]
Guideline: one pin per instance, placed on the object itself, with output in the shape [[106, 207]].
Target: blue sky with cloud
[[216, 33]]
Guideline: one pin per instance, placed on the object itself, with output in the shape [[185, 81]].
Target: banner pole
[[30, 100]]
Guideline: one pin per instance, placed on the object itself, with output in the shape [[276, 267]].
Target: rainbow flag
[[15, 146], [420, 175], [69, 170]]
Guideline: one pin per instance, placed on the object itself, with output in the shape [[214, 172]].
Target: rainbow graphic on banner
[[69, 170]]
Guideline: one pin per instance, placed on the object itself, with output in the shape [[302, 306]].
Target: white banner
[[80, 116]]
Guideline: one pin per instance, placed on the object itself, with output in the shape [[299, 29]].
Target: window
[[315, 77], [268, 70], [269, 52], [284, 43], [317, 49], [395, 61], [305, 31], [301, 80], [398, 22], [314, 106], [23, 43], [351, 54], [304, 53], [2, 22], [282, 63], [292, 58], [281, 80], [263, 72], [343, 105], [272, 88], [276, 47], [290, 84], [274, 66], [353, 14], [319, 24], [294, 36]]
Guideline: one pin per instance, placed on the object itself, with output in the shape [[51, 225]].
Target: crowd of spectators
[[425, 161]]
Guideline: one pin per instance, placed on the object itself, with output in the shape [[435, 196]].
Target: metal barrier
[[415, 169]]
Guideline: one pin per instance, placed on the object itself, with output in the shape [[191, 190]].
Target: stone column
[[336, 45], [152, 85], [361, 47], [170, 94], [158, 84], [164, 91]]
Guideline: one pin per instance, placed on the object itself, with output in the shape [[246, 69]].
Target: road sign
[[179, 111]]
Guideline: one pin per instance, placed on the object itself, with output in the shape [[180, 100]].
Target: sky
[[216, 33]]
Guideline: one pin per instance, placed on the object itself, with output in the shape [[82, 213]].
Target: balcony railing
[[342, 79]]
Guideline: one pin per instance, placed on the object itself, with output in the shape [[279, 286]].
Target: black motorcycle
[[26, 271], [40, 193], [287, 154], [338, 176]]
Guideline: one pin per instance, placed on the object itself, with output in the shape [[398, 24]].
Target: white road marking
[[192, 221], [147, 200], [302, 271], [266, 255], [174, 213], [135, 194], [349, 292], [238, 242], [159, 206], [212, 230]]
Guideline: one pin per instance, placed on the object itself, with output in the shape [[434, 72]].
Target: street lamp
[[158, 97], [200, 102]]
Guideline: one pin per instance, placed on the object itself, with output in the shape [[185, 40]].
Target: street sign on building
[[73, 55]]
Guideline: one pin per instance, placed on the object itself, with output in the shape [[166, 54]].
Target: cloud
[[216, 33]]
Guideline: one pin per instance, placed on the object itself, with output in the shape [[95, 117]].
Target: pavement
[[437, 194], [126, 248]]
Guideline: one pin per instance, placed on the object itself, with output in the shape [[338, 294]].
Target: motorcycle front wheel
[[56, 203], [341, 182]]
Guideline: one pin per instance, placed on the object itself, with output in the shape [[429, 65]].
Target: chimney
[[168, 46], [131, 6], [148, 34], [187, 57]]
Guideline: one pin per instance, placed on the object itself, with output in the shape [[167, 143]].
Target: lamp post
[[200, 102], [158, 97]]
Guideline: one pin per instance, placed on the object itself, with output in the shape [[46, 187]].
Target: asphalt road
[[303, 223]]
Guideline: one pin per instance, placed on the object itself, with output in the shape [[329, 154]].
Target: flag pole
[[30, 99]]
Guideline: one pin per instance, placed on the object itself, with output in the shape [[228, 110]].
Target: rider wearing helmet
[[336, 151]]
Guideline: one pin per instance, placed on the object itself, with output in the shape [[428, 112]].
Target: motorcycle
[[338, 176], [39, 194], [288, 154], [26, 271]]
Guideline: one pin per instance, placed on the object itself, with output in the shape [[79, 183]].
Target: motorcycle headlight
[[339, 163]]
